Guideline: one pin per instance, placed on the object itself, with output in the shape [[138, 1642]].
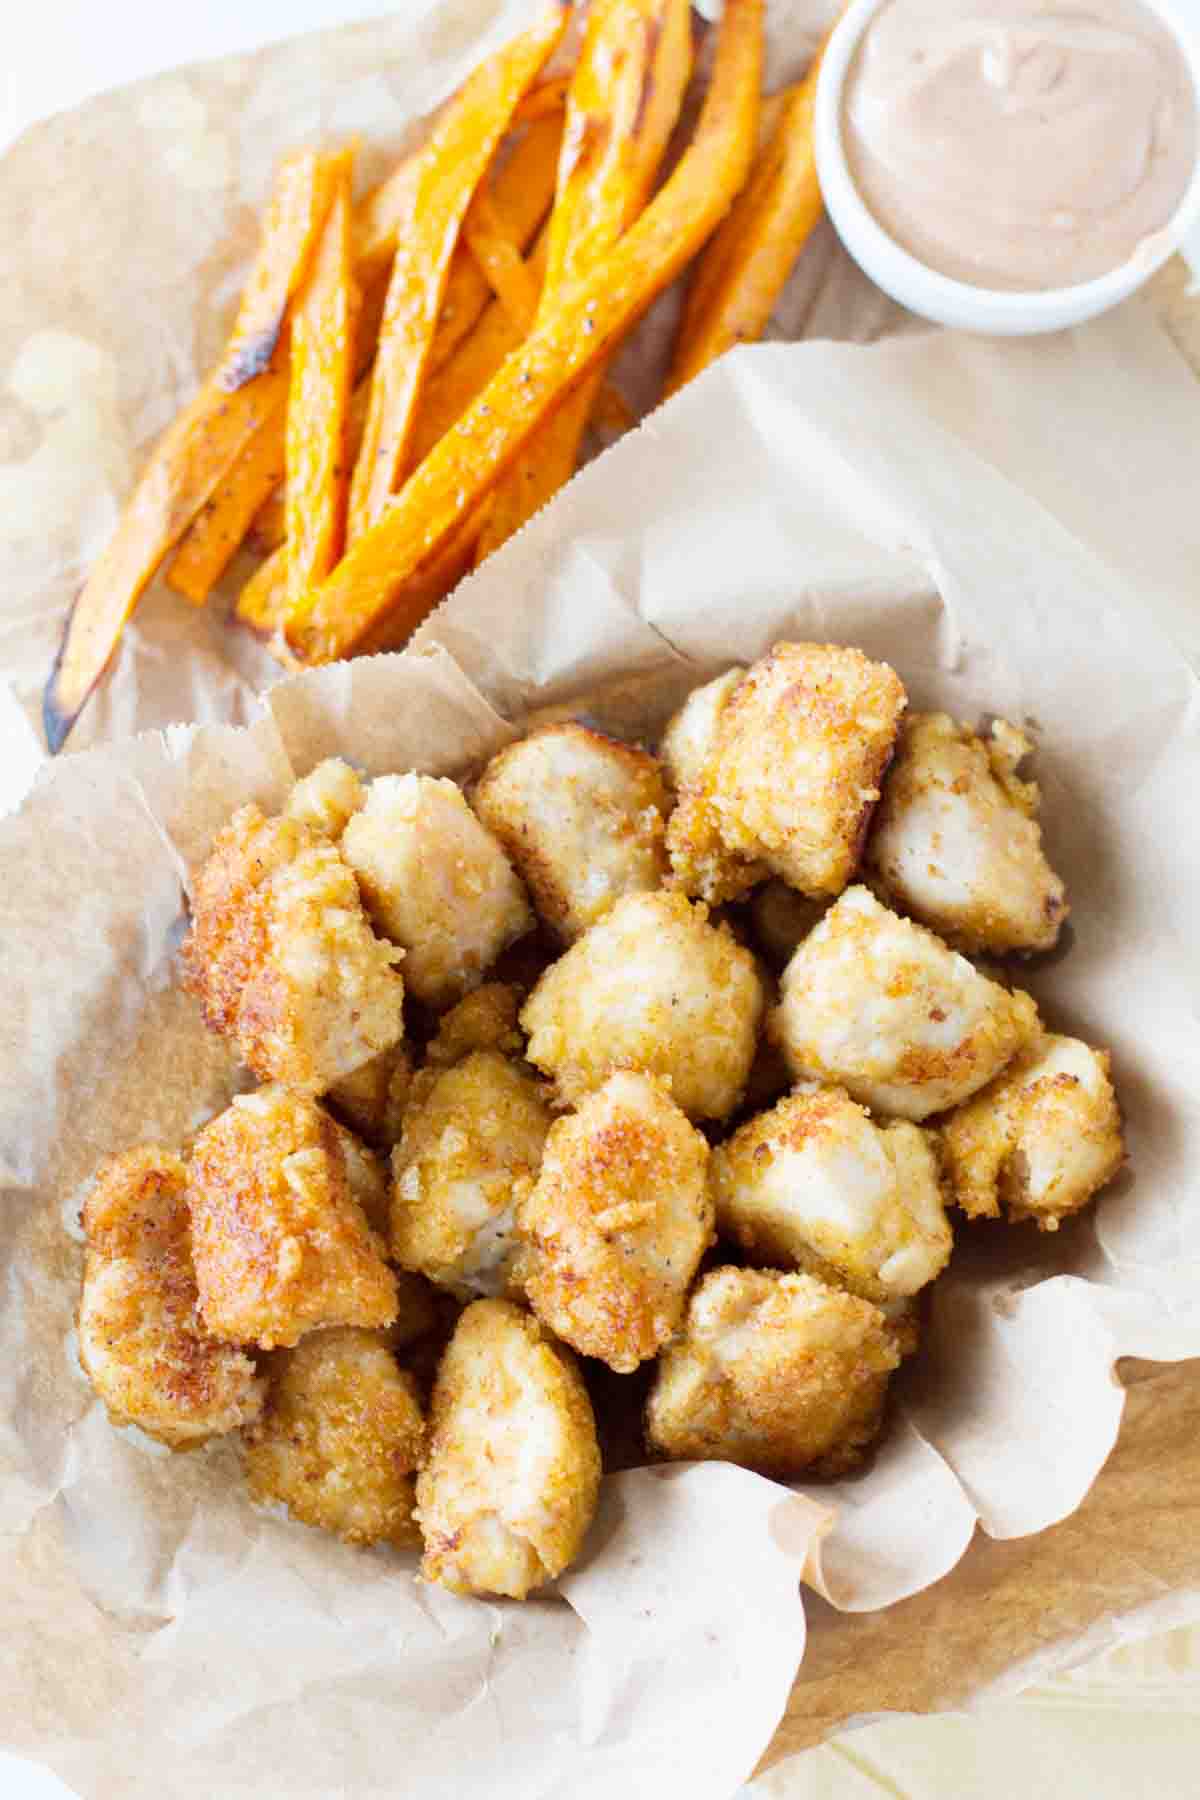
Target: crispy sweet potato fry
[[746, 266], [379, 578], [621, 108], [520, 192], [213, 538], [500, 259], [322, 368], [450, 168], [546, 97], [201, 446]]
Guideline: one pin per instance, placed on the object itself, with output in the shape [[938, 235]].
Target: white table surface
[[1124, 1727]]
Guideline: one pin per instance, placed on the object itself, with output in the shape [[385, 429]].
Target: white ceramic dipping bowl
[[923, 290]]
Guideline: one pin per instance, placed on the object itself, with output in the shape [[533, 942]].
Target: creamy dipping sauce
[[1012, 144]]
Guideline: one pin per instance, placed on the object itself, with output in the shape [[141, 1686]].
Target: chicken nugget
[[282, 957], [436, 882], [815, 1184], [617, 1223], [512, 1473], [956, 842], [371, 1100], [880, 1006], [341, 1438], [582, 817], [485, 1020], [776, 1372], [280, 1237], [654, 987], [801, 750], [469, 1151], [702, 864], [141, 1342], [1041, 1139], [328, 798]]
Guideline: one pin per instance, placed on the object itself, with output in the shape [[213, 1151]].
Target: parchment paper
[[1005, 523]]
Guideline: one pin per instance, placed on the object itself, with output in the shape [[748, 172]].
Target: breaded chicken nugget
[[436, 882], [280, 1237], [815, 1184], [485, 1020], [1041, 1139], [781, 919], [510, 1481], [881, 1007], [956, 842], [141, 1343], [776, 1372], [701, 862], [282, 957], [582, 817], [470, 1150], [372, 1099], [618, 1222], [328, 798], [801, 749], [655, 987], [341, 1438]]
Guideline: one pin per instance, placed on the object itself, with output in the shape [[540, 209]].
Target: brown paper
[[954, 505]]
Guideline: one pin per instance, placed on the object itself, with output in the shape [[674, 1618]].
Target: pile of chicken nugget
[[608, 1079]]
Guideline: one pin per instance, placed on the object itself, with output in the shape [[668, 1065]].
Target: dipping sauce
[[1018, 145]]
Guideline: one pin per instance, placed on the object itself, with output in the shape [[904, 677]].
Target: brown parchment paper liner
[[1003, 522]]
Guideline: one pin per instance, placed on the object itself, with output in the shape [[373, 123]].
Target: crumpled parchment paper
[[1014, 527]]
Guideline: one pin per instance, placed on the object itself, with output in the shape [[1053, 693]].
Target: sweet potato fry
[[500, 259], [544, 98], [450, 168], [621, 108], [212, 539], [201, 446], [379, 578], [322, 368], [269, 524], [744, 269]]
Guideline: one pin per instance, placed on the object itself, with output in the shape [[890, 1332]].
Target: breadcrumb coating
[[1041, 1139], [801, 750], [956, 842], [582, 817], [469, 1152], [485, 1020], [341, 1438], [371, 1100], [512, 1473], [880, 1006], [282, 958], [776, 1372], [815, 1184], [280, 1237], [436, 882], [701, 862], [617, 1223], [654, 987], [141, 1342], [328, 798]]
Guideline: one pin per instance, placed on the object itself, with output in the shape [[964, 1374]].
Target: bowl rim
[[1021, 308]]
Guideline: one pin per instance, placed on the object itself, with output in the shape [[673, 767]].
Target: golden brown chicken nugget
[[880, 1006], [436, 882], [512, 1473], [776, 1372], [956, 842], [815, 1184], [328, 798], [582, 817], [371, 1100], [141, 1342], [280, 1237], [702, 864], [485, 1020], [654, 987], [469, 1152], [341, 1438], [282, 958], [1041, 1139], [618, 1222], [801, 750]]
